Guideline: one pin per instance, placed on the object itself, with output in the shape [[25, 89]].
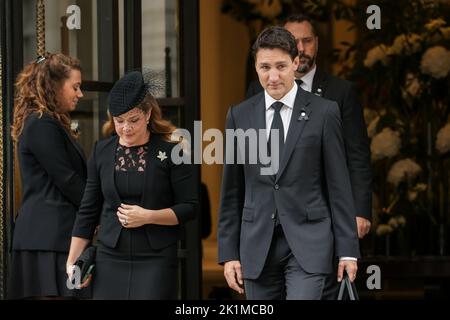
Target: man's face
[[307, 44], [276, 71]]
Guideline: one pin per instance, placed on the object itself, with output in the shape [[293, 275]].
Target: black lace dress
[[133, 269]]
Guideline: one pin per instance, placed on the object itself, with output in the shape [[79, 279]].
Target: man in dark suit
[[313, 79], [278, 234]]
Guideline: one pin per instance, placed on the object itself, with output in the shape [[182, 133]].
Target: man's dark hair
[[276, 38], [299, 18]]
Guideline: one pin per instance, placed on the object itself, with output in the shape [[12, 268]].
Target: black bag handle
[[351, 288]]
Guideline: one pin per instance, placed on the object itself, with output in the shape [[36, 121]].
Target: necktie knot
[[277, 106], [299, 82]]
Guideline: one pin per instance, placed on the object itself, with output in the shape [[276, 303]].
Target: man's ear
[[255, 59], [296, 63]]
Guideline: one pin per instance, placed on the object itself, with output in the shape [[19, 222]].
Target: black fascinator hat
[[127, 93]]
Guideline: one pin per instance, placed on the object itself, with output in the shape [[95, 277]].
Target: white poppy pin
[[162, 156]]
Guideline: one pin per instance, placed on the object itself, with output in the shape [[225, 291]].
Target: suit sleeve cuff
[[347, 259]]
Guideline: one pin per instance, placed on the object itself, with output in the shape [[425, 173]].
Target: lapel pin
[[303, 116], [162, 156]]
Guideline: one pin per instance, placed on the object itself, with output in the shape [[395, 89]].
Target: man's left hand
[[363, 226], [348, 265]]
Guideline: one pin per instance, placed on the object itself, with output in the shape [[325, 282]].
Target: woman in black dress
[[138, 196], [53, 171]]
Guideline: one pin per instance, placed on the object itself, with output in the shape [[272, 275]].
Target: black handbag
[[86, 262], [352, 294]]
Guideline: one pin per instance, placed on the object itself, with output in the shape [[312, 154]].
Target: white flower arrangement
[[383, 229], [386, 144], [401, 221], [436, 31], [405, 69], [378, 53], [393, 223], [403, 170], [443, 139], [435, 24], [372, 127], [369, 115], [412, 87], [436, 62], [445, 32], [406, 44]]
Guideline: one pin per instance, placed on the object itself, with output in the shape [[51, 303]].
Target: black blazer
[[311, 191], [53, 171], [166, 186], [355, 134]]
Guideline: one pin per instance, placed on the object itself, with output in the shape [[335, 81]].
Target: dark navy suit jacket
[[356, 142], [311, 191]]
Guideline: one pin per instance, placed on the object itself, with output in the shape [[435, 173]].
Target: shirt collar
[[288, 100], [309, 77]]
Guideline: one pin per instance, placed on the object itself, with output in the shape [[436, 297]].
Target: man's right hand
[[363, 225], [233, 275]]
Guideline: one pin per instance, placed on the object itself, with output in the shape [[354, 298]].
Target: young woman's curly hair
[[36, 90]]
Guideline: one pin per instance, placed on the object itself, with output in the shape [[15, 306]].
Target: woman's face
[[70, 92], [131, 127]]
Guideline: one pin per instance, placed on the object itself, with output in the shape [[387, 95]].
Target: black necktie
[[299, 82], [277, 123]]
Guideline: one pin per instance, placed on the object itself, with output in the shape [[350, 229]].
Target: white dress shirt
[[286, 111], [308, 80]]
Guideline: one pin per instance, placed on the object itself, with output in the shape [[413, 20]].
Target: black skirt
[[40, 274], [135, 271]]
